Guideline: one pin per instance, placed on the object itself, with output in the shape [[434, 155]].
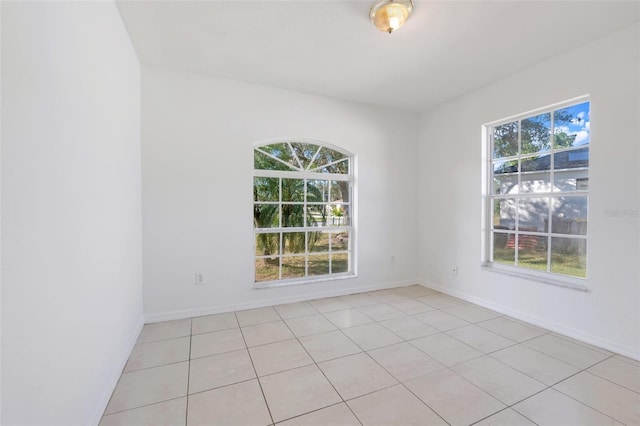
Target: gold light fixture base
[[389, 15]]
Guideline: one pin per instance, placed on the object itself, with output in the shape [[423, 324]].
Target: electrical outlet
[[454, 271], [199, 278]]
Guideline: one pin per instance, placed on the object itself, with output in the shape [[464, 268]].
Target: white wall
[[197, 162], [450, 187], [71, 232]]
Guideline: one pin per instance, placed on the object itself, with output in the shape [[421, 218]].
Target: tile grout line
[[586, 370], [420, 399], [122, 373], [401, 383], [503, 410], [223, 386], [558, 359], [585, 345], [483, 354], [578, 401], [580, 370], [403, 340], [314, 411], [144, 405], [547, 332], [186, 411], [114, 389], [523, 372], [264, 397], [322, 372], [156, 366], [507, 406], [552, 387]]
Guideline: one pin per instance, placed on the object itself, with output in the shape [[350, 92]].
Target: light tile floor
[[406, 356]]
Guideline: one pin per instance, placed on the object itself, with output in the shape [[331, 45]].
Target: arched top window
[[302, 212], [302, 156]]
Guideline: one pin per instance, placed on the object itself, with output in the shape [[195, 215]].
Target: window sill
[[298, 281], [545, 278]]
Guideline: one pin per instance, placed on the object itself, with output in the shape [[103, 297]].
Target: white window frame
[[487, 263], [314, 173]]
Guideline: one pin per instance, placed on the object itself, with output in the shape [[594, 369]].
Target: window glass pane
[[326, 156], [504, 167], [341, 167], [317, 191], [536, 133], [293, 267], [571, 126], [264, 162], [533, 214], [283, 152], [571, 180], [505, 184], [339, 191], [317, 215], [569, 215], [318, 241], [504, 250], [339, 263], [292, 190], [505, 140], [293, 242], [266, 189], [536, 163], [267, 269], [292, 215], [266, 215], [318, 264], [339, 215], [569, 256], [304, 152], [532, 252], [504, 213], [340, 241], [535, 182], [535, 176], [267, 244], [573, 159]]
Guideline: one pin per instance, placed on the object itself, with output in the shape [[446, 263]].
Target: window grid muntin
[[493, 196]]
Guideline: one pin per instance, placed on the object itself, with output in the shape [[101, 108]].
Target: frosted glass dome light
[[389, 15]]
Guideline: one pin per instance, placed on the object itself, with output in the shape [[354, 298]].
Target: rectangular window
[[537, 197], [307, 231]]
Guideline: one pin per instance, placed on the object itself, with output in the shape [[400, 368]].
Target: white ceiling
[[330, 47]]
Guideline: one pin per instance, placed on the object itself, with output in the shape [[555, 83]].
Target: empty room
[[320, 212]]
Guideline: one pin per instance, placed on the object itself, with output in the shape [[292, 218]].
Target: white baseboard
[[110, 385], [627, 351], [189, 313]]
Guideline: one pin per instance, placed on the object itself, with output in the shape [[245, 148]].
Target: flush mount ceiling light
[[389, 15]]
